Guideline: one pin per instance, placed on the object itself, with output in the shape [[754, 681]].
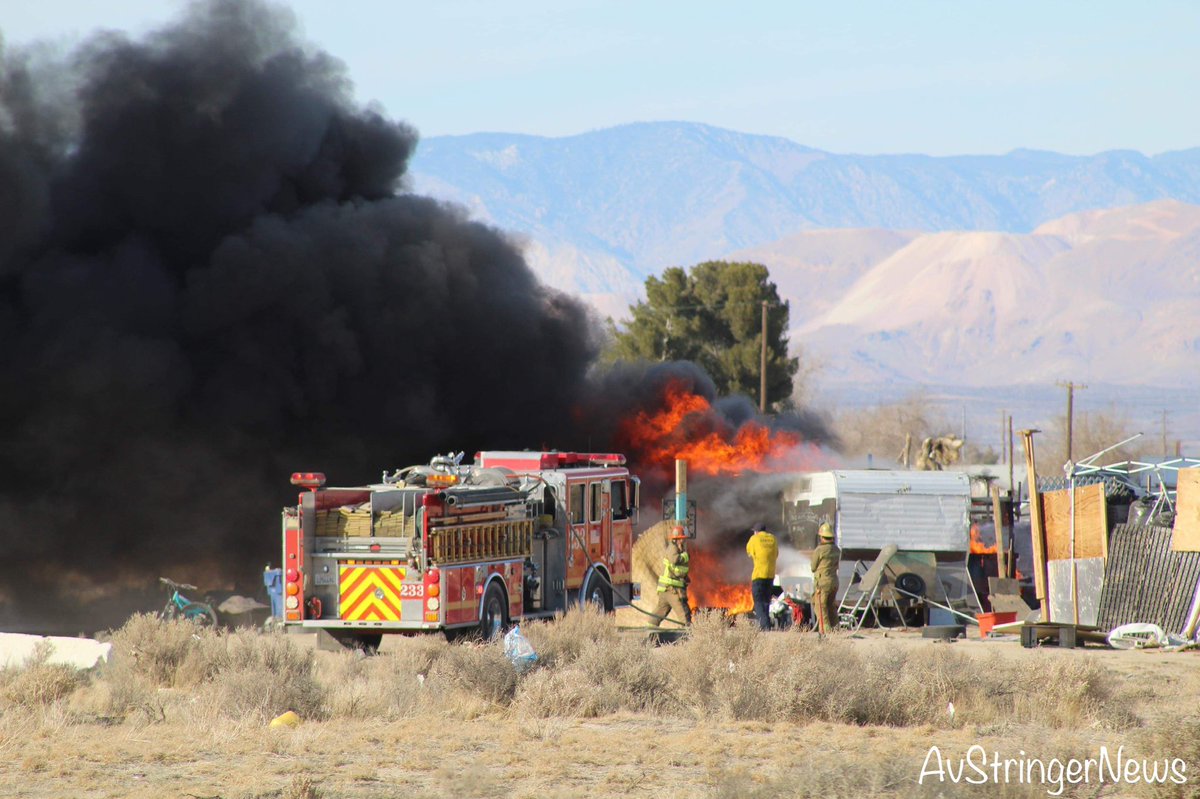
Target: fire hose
[[613, 588]]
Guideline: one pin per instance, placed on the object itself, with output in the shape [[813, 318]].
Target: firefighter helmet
[[678, 533], [825, 531]]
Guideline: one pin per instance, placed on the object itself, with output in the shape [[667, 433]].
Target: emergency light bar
[[308, 479], [532, 461]]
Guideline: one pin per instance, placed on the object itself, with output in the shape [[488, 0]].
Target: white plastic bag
[[518, 650], [1141, 636]]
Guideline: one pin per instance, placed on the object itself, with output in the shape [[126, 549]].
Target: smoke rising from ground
[[208, 280]]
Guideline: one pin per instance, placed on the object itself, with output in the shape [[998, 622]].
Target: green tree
[[712, 315]]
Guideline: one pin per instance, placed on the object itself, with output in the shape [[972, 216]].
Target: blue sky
[[868, 77]]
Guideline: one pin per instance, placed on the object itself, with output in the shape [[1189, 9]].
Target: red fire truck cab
[[443, 546]]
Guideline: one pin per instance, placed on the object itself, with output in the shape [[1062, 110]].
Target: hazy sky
[[865, 77]]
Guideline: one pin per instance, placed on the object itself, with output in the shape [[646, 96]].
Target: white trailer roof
[[916, 511], [881, 481]]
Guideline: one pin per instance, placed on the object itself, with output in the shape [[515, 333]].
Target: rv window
[[620, 507], [595, 502], [577, 503]]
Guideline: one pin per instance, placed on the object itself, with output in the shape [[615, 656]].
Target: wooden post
[[998, 520], [1037, 527], [1011, 485]]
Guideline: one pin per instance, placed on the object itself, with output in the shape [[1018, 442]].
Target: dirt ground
[[500, 752]]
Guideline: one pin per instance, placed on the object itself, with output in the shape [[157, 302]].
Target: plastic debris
[[1143, 636], [288, 719], [518, 650]]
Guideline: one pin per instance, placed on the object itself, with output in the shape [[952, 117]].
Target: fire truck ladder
[[453, 542]]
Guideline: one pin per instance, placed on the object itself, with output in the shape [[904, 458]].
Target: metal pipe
[[680, 494], [481, 496]]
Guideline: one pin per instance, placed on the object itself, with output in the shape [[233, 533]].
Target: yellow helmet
[[825, 530]]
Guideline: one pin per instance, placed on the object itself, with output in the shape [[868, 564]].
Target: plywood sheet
[[1186, 534], [1091, 523]]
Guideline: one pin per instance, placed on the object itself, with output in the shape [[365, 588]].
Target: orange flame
[[686, 427], [977, 545], [708, 590]]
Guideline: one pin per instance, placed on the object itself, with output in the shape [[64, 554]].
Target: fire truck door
[[606, 522], [550, 556], [595, 525], [577, 533]]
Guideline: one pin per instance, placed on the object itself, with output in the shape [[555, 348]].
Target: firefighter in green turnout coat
[[673, 582]]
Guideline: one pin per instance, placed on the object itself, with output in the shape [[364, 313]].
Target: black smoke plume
[[209, 278]]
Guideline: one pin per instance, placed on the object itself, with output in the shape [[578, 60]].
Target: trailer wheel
[[494, 616], [597, 592]]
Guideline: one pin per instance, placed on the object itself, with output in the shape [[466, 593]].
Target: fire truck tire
[[200, 614], [493, 617], [597, 592]]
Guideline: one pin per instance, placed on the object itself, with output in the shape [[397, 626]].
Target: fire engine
[[459, 548]]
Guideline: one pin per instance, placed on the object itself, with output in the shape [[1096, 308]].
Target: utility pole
[[762, 365], [1003, 440], [1070, 387]]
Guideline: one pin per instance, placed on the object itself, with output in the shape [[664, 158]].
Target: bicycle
[[180, 607]]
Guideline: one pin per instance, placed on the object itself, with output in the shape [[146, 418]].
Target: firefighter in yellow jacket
[[764, 551], [825, 559], [673, 582]]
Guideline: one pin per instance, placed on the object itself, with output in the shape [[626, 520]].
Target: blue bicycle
[[180, 607]]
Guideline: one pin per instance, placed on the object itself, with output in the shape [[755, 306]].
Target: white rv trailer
[[925, 514], [871, 508]]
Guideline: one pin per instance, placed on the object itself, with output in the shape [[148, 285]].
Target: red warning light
[[308, 479]]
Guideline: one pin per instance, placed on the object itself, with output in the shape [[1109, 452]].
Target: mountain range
[[977, 270]]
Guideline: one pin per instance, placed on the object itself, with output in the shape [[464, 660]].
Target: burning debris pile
[[737, 462]]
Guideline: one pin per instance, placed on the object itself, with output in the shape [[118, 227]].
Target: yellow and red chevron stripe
[[369, 593]]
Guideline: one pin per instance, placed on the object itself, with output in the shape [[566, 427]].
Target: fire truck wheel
[[494, 616], [598, 592]]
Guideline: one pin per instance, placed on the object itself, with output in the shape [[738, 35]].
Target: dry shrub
[[473, 678], [302, 786], [1172, 737], [243, 675], [154, 648], [714, 670], [565, 692], [38, 682], [388, 687], [736, 673], [1058, 692], [250, 676], [565, 639], [605, 678]]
